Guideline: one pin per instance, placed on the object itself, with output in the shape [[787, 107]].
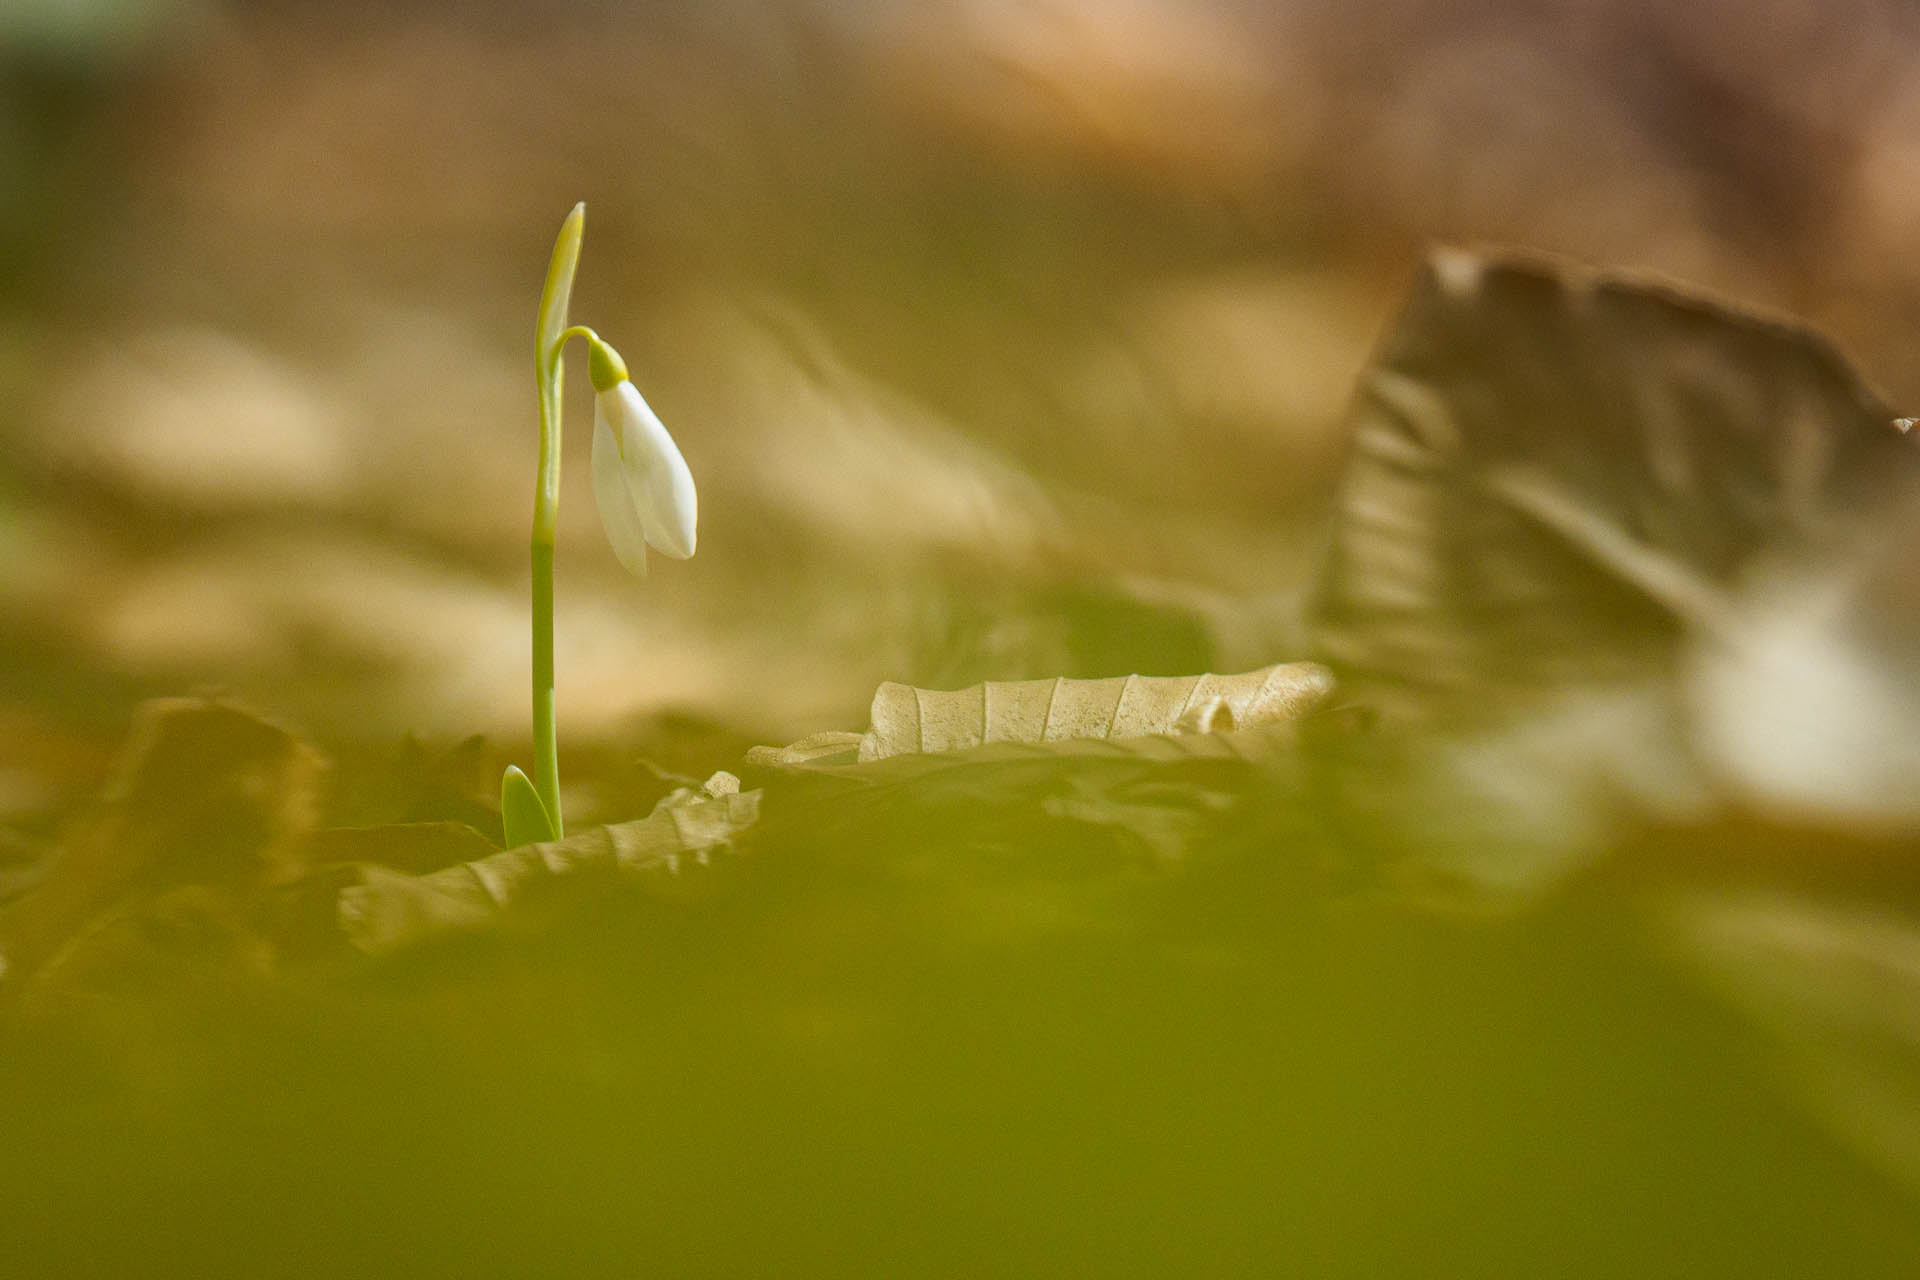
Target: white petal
[[662, 485], [614, 496]]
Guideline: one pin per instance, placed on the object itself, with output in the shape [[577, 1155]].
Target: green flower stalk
[[640, 483]]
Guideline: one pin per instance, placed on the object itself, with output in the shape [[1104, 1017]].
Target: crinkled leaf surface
[[906, 719], [389, 909], [1045, 713], [1137, 757]]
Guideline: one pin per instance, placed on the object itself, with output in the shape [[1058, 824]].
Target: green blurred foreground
[[936, 1032]]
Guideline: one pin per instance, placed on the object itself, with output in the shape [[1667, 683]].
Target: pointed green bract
[[557, 294], [522, 815]]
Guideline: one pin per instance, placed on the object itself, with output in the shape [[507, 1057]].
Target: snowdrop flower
[[640, 481], [645, 495]]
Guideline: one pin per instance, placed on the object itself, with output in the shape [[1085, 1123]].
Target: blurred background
[[1005, 338]]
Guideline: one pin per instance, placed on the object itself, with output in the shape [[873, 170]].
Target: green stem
[[546, 504], [549, 373], [546, 739]]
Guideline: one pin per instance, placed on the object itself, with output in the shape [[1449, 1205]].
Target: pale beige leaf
[[388, 910], [834, 746], [907, 720]]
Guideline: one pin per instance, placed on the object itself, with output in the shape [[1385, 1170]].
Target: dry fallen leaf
[[389, 909], [1557, 477], [203, 793], [908, 721], [1562, 489], [1015, 744]]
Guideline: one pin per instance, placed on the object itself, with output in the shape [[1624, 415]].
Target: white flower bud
[[640, 481]]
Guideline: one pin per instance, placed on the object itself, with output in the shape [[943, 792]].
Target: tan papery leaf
[[388, 909], [907, 720]]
